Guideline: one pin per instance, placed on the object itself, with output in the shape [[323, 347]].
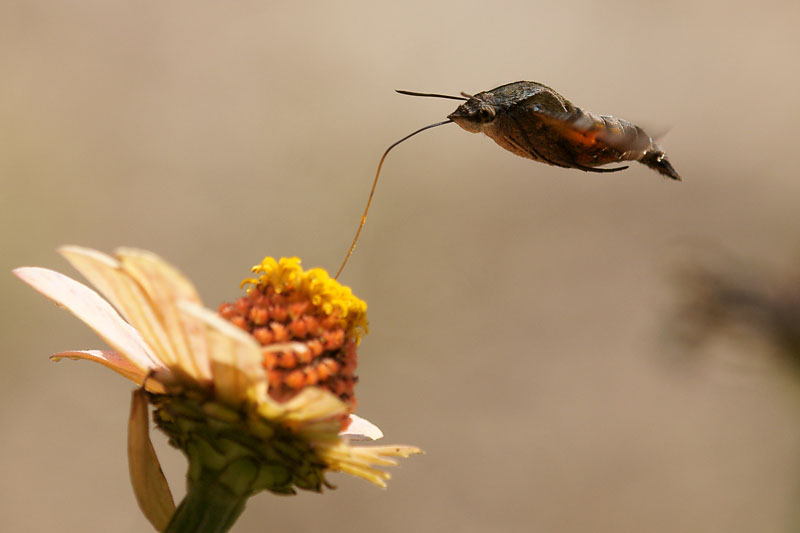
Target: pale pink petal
[[105, 273], [149, 484], [361, 429], [234, 355], [94, 311], [116, 362], [313, 404], [164, 285]]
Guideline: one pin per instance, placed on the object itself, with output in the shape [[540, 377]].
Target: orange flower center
[[329, 360]]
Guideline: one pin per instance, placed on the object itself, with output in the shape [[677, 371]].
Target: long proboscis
[[374, 184]]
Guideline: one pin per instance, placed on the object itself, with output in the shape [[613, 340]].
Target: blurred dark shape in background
[[725, 296]]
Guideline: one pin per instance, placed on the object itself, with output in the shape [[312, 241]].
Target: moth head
[[473, 114]]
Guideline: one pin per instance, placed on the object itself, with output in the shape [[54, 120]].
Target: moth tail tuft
[[656, 159]]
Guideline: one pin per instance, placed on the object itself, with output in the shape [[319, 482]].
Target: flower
[[256, 396]]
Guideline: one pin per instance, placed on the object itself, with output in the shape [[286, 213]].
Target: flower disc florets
[[310, 310]]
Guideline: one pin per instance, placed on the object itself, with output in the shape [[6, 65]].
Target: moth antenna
[[375, 182], [468, 96], [431, 95]]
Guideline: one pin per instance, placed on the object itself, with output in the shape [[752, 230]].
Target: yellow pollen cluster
[[323, 291]]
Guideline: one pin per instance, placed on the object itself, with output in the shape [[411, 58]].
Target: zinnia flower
[[258, 397]]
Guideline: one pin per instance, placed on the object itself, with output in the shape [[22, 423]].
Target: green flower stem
[[209, 507]]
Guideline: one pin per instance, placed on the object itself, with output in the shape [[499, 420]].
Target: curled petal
[[149, 484], [235, 357], [361, 429], [94, 311], [116, 362]]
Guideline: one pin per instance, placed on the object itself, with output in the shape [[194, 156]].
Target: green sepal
[[239, 450]]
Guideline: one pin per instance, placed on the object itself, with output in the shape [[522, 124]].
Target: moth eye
[[486, 114]]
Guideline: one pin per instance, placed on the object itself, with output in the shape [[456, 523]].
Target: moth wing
[[594, 131], [565, 136]]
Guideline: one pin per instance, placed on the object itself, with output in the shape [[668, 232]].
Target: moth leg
[[598, 170]]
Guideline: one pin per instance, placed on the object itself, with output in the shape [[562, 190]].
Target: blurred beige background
[[517, 310]]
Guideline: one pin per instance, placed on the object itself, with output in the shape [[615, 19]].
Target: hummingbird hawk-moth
[[533, 121]]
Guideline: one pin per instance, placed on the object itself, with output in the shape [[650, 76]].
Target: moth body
[[533, 121]]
